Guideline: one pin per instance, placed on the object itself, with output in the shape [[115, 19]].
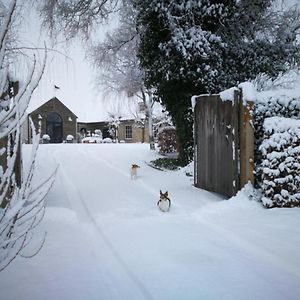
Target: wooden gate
[[219, 126]]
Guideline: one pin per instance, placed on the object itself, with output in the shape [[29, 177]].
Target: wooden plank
[[216, 131], [246, 144]]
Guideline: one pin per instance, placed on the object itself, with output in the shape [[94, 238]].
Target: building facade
[[131, 132], [53, 119], [87, 128]]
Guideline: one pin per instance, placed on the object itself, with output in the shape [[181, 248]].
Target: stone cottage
[[130, 132], [54, 119]]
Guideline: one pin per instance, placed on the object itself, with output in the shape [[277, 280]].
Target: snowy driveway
[[107, 239]]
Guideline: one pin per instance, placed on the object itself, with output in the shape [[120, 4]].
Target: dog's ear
[[161, 193], [166, 194]]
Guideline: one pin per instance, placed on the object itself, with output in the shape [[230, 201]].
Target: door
[[54, 128]]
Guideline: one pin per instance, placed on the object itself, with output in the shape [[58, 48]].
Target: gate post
[[246, 142]]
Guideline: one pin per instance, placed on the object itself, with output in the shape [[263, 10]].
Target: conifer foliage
[[189, 47]]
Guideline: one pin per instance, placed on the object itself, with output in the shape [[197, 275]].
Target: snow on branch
[[21, 205], [75, 17]]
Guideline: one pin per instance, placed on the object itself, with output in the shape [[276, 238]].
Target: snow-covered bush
[[70, 138], [98, 133], [280, 103], [166, 139], [280, 151], [46, 138], [107, 141]]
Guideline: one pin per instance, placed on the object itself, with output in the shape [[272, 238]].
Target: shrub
[[70, 138], [280, 151], [283, 103], [166, 139], [46, 138], [165, 163]]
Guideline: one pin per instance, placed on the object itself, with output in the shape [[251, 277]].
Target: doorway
[[54, 128]]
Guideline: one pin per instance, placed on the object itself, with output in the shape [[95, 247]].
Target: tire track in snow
[[250, 248], [85, 215], [254, 251], [241, 243], [143, 185]]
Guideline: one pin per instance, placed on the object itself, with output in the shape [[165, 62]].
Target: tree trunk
[[150, 121]]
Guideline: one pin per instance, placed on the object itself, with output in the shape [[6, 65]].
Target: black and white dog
[[164, 203]]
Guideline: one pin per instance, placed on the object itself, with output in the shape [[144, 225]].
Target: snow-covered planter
[[107, 141], [46, 139], [167, 140], [70, 138], [280, 151]]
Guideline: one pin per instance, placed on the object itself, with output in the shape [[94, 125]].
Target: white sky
[[73, 75]]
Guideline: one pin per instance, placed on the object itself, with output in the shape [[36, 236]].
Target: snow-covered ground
[[106, 239]]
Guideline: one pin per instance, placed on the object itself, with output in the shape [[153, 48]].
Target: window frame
[[128, 132]]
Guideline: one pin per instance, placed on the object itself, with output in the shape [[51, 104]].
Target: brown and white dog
[[133, 171], [164, 202]]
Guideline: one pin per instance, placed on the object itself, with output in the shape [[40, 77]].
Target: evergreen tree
[[189, 47]]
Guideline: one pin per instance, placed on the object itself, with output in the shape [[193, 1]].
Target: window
[[128, 132]]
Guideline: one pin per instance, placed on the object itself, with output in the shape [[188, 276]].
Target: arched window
[[55, 127]]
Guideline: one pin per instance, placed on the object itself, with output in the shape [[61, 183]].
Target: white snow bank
[[283, 96], [249, 91], [280, 124], [61, 215], [194, 101], [115, 242], [228, 95]]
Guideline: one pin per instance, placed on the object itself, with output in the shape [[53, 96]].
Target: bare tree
[[115, 114], [21, 204], [118, 65], [116, 57], [75, 17]]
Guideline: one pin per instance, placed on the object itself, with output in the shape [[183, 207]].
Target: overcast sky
[[72, 74]]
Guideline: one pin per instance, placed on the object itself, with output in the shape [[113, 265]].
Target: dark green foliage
[[166, 163], [196, 47]]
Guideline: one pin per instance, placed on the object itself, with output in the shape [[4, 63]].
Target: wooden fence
[[224, 144]]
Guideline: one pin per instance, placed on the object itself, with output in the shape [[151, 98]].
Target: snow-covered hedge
[[280, 165], [279, 103]]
